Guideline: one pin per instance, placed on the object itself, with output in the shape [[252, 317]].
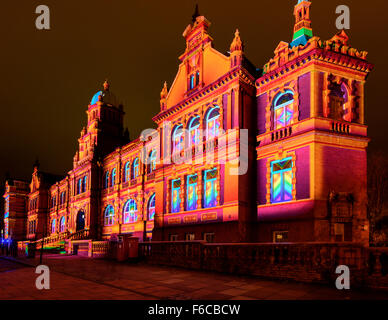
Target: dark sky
[[49, 77]]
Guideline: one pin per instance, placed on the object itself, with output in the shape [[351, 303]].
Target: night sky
[[49, 77]]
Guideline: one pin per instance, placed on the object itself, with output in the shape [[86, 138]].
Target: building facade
[[239, 154]]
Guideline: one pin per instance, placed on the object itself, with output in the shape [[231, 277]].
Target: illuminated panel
[[178, 139], [6, 229], [194, 131], [151, 208], [95, 98], [213, 123], [6, 213], [281, 180], [130, 211], [175, 195], [109, 215], [192, 183], [210, 190]]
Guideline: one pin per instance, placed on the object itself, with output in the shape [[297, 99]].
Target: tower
[[312, 139], [302, 29]]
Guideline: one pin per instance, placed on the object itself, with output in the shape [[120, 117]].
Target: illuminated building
[[305, 177]]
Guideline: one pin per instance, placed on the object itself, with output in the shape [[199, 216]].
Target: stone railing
[[307, 262], [79, 235]]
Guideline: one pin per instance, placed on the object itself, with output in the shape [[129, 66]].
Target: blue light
[[96, 98]]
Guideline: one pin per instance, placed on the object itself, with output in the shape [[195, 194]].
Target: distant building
[[304, 151]]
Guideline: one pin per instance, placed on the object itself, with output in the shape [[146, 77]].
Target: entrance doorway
[[80, 225]]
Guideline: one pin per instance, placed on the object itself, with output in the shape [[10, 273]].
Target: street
[[73, 277]]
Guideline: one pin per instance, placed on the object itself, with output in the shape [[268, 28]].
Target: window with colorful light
[[135, 168], [109, 215], [106, 181], [151, 207], [177, 139], [84, 183], [194, 133], [6, 213], [152, 161], [62, 224], [213, 123], [53, 223], [79, 186], [113, 179], [283, 109], [175, 195], [281, 180], [62, 197], [194, 80], [127, 172], [210, 188], [130, 211], [191, 189]]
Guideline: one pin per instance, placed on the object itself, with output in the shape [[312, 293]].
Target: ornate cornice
[[238, 72]]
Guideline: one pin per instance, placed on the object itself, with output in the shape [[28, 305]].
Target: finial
[[106, 85], [36, 164], [163, 93], [196, 13], [237, 44]]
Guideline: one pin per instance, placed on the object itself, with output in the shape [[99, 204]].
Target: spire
[[196, 13], [302, 29], [237, 44]]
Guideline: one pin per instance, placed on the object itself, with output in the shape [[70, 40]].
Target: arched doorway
[[80, 225]]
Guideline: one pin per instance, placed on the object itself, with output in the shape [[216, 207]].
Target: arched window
[[283, 109], [210, 189], [127, 172], [192, 82], [130, 211], [152, 161], [135, 168], [62, 224], [106, 181], [113, 178], [194, 132], [62, 197], [79, 186], [213, 123], [53, 223], [151, 207], [84, 183], [177, 139], [109, 216]]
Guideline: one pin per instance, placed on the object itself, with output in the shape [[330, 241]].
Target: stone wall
[[308, 262]]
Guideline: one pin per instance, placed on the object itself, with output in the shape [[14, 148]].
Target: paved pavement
[[80, 278]]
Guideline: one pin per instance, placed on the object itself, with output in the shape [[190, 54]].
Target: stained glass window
[[284, 109], [62, 224], [281, 180], [210, 188], [135, 168], [130, 211], [127, 172], [53, 223], [177, 139], [194, 133], [109, 216], [106, 182], [213, 123], [191, 187], [151, 207], [113, 180], [175, 195]]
